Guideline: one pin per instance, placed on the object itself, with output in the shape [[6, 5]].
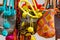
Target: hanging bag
[[46, 27]]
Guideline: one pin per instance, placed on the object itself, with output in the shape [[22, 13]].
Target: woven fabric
[[46, 26]]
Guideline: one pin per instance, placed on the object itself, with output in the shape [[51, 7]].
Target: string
[[27, 12], [12, 4], [34, 4], [5, 3], [32, 8], [30, 5], [31, 22], [9, 5]]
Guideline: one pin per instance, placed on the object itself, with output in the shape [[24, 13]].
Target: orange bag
[[46, 26]]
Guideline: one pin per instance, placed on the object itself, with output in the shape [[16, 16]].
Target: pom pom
[[6, 24], [33, 37], [30, 29], [4, 32], [10, 37], [7, 13], [13, 12]]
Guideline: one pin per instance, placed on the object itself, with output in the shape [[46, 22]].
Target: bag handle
[[50, 2]]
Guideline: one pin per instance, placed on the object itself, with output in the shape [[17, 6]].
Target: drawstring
[[31, 22]]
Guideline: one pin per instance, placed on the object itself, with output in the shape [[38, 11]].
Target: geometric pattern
[[46, 28], [41, 22], [46, 24], [48, 17]]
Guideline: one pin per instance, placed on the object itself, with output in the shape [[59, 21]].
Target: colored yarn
[[6, 24], [4, 32], [10, 37], [7, 13]]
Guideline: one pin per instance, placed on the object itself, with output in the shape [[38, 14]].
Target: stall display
[[31, 14], [21, 19], [26, 26]]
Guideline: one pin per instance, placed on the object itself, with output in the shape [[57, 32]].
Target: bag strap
[[49, 3]]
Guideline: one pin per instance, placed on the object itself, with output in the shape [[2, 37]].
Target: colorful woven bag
[[46, 26]]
